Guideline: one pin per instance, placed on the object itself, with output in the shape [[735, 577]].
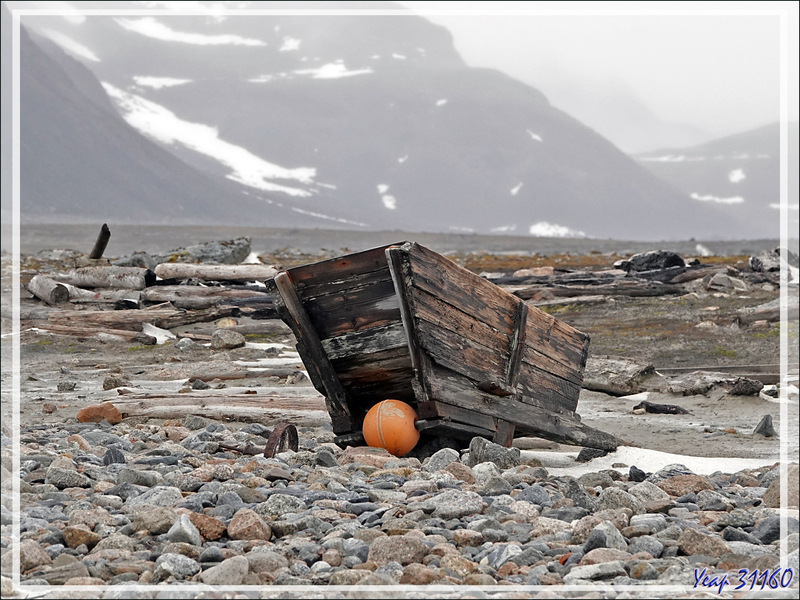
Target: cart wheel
[[282, 438]]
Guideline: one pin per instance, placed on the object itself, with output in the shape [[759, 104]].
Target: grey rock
[[136, 477], [734, 534], [454, 504], [176, 565], [441, 459], [229, 572], [482, 450], [496, 486], [535, 494], [587, 454], [501, 554], [769, 530], [278, 505], [66, 478], [580, 498], [765, 262], [225, 339], [113, 455], [669, 471], [605, 535], [600, 571], [183, 530], [138, 259], [614, 498], [765, 427], [653, 260], [187, 345], [158, 496], [646, 543], [648, 492], [652, 522], [227, 252]]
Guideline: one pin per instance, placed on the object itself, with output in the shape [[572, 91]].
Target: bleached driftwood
[[102, 296], [129, 278], [48, 290], [215, 272]]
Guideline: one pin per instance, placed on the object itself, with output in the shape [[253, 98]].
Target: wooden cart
[[404, 322]]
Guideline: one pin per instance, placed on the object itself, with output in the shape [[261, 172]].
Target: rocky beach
[[138, 467]]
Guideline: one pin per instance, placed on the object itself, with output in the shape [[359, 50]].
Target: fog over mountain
[[370, 122], [739, 173]]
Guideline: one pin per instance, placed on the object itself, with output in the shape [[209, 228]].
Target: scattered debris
[[661, 409]]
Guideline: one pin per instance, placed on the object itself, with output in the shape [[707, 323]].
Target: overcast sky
[[718, 71]]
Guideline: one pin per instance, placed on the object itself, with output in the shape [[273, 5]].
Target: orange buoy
[[390, 425]]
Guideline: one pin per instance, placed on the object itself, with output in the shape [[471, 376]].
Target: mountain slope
[[740, 173], [372, 120], [80, 161]]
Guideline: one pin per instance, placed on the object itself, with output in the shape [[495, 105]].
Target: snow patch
[[382, 188], [327, 217], [70, 45], [717, 199], [389, 201], [152, 28], [441, 102], [503, 229], [402, 159], [515, 190], [398, 56], [672, 158], [545, 229], [68, 12], [535, 136], [736, 175], [159, 82], [334, 70], [289, 44], [156, 121], [793, 207], [215, 10], [702, 250], [652, 461], [461, 229]]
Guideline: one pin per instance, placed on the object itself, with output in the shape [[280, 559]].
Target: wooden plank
[[545, 390], [400, 271], [433, 409], [461, 288], [529, 419], [351, 310], [504, 434], [361, 280], [517, 347], [461, 354], [445, 428], [370, 341], [555, 339], [335, 396], [338, 269]]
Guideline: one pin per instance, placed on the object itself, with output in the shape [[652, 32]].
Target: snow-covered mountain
[[740, 174], [354, 121]]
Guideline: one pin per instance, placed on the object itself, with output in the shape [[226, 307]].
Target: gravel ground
[[163, 508]]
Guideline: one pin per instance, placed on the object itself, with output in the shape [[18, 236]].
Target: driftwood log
[[102, 296], [101, 243], [621, 287], [130, 278], [164, 318], [171, 293], [248, 272], [255, 408], [44, 288], [85, 331]]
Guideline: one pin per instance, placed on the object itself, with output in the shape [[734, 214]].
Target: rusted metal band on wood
[[335, 395]]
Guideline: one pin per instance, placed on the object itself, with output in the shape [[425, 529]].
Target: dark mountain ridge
[[374, 121]]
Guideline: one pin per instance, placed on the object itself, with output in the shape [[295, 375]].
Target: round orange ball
[[390, 425]]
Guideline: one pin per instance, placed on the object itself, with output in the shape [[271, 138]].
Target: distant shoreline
[[126, 238]]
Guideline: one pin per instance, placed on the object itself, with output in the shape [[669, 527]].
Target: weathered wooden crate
[[404, 322]]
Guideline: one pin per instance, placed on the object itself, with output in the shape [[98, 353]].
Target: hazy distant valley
[[367, 123]]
